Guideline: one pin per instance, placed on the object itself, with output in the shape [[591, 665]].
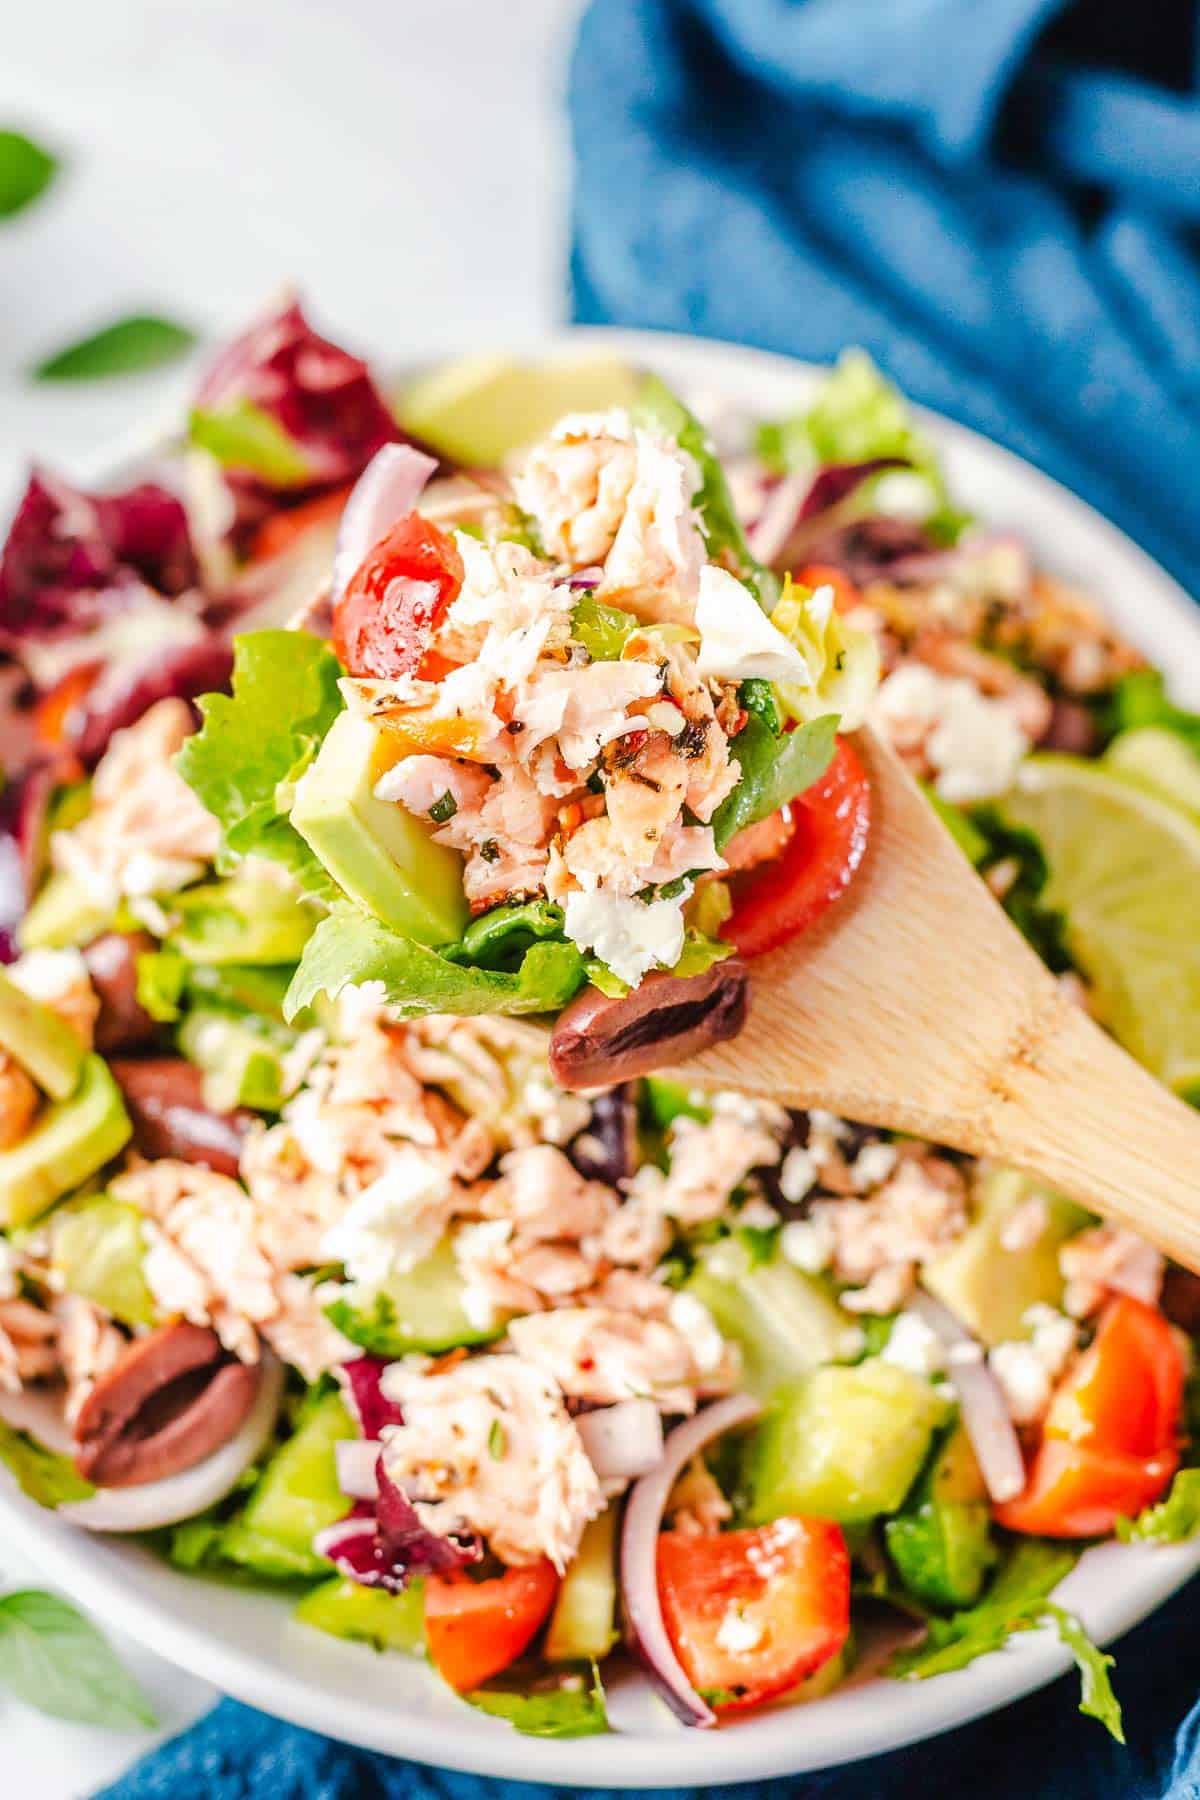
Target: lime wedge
[[478, 409], [1125, 869], [1160, 762]]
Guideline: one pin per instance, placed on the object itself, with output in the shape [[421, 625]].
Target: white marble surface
[[400, 161]]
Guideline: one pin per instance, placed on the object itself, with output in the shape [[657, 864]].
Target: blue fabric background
[[999, 199]]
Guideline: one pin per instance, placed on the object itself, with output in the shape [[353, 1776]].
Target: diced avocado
[[242, 1059], [583, 1625], [783, 1320], [96, 1250], [381, 855], [941, 1540], [297, 1496], [422, 1310], [63, 913], [991, 1288], [44, 1045], [252, 917], [842, 1443], [69, 1141], [366, 1615]]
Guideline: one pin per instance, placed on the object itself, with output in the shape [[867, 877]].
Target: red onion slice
[[773, 526], [985, 1414], [388, 487], [623, 1441], [639, 1554], [357, 1460]]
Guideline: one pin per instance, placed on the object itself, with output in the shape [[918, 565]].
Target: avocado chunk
[[941, 1540], [784, 1322], [241, 1059], [842, 1443], [96, 1250], [583, 1625], [252, 917], [381, 856], [69, 1141], [419, 1311], [297, 1496], [366, 1615], [44, 1045], [991, 1288], [63, 914]]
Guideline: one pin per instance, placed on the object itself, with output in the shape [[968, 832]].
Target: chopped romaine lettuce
[[656, 408], [774, 771], [349, 947], [571, 1708], [1140, 699], [856, 416], [243, 436], [256, 743], [843, 662], [602, 630], [499, 939], [161, 975], [1171, 1520], [1097, 1699]]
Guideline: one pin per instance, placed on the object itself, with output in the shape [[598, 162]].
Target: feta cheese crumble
[[973, 744], [631, 936]]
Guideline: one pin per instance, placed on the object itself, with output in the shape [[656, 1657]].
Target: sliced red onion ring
[[357, 1460], [388, 488], [639, 1554], [985, 1414], [623, 1441], [773, 526], [154, 1503]]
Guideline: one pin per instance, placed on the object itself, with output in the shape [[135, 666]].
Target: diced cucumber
[[941, 1540], [422, 1310], [583, 1625], [297, 1495], [63, 914], [252, 917], [69, 1141], [96, 1250], [242, 1059], [989, 1287], [784, 1322], [842, 1443], [346, 1609]]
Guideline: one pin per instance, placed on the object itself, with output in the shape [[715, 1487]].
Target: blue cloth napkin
[[997, 198]]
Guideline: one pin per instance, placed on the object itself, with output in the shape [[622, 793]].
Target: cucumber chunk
[[583, 1625], [422, 1310], [297, 1496], [784, 1322], [842, 1443], [941, 1540], [63, 914], [242, 1059], [365, 1615], [252, 917]]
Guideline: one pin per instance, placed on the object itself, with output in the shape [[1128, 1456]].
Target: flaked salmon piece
[[654, 565], [544, 1196], [576, 485], [598, 1354], [419, 783], [1109, 1259], [28, 1343], [88, 1346], [643, 793], [758, 843]]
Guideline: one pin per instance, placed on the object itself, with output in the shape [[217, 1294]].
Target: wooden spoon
[[917, 1005]]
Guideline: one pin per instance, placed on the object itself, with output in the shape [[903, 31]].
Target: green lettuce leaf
[[774, 771], [45, 1476], [570, 1709], [602, 630], [1097, 1700], [842, 660], [856, 416], [656, 408], [499, 939], [256, 743], [1140, 699], [985, 835], [1170, 1521], [242, 436], [350, 947]]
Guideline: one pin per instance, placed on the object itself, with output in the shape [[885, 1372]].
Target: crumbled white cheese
[[797, 1174], [914, 1346], [758, 1213], [737, 640], [49, 975], [808, 1244], [873, 1165], [631, 936], [394, 1222], [1028, 1369], [692, 1319], [974, 744], [736, 1633]]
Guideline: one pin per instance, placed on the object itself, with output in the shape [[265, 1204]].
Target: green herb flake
[[497, 1441], [443, 809], [26, 171], [126, 347]]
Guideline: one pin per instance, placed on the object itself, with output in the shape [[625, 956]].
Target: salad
[[350, 745]]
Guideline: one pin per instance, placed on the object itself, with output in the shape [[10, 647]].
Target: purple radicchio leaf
[[837, 481], [364, 1377], [386, 1546]]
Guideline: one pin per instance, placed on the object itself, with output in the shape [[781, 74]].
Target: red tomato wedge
[[57, 709], [750, 1614], [283, 529], [846, 595], [396, 599], [476, 1628], [830, 827], [1110, 1441]]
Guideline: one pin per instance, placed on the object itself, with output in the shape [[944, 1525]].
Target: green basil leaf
[[26, 170], [53, 1658], [126, 347], [774, 771]]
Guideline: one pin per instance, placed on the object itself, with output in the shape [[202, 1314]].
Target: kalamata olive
[[607, 1147], [1181, 1299], [121, 1023], [165, 1097], [169, 1401], [667, 1018], [1072, 729]]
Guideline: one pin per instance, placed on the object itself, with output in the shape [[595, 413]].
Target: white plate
[[245, 1641]]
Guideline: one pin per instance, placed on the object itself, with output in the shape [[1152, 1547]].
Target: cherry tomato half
[[396, 599], [476, 1628]]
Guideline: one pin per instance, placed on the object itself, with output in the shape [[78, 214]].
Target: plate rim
[[852, 1723]]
